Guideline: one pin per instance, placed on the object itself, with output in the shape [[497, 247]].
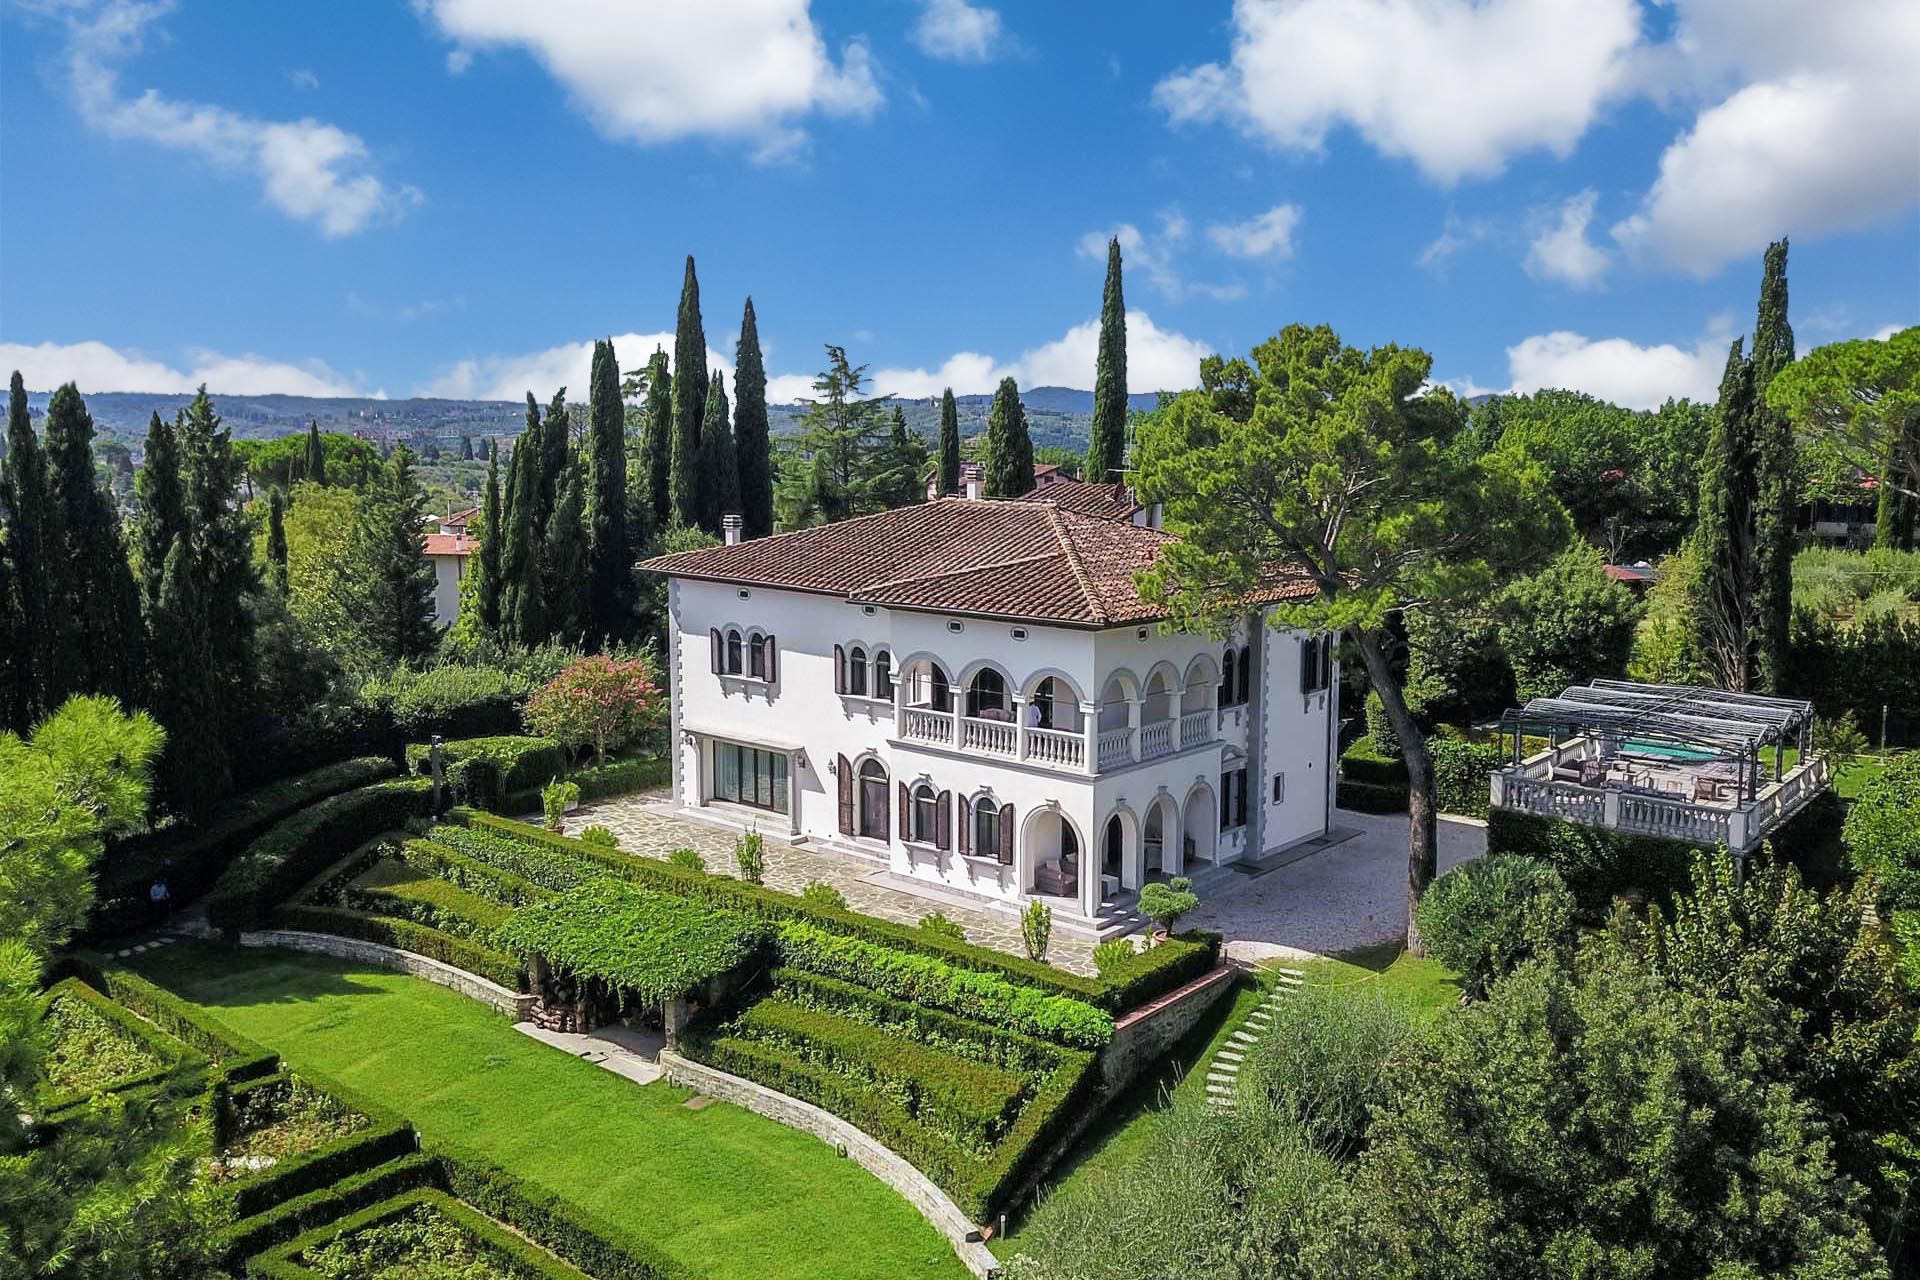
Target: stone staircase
[[1223, 1074]]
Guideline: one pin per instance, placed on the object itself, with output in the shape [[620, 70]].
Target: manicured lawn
[[731, 1195], [1425, 986]]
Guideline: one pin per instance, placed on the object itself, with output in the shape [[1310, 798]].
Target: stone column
[[1092, 858], [1090, 735], [1019, 701], [674, 1015]]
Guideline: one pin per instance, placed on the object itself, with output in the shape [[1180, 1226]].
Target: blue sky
[[455, 196]]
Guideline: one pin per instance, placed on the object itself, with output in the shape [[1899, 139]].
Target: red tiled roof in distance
[[449, 544], [1108, 501], [1009, 559]]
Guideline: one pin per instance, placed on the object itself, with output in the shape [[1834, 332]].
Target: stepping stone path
[[1223, 1075]]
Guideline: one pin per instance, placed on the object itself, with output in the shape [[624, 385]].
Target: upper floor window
[[860, 674], [757, 657], [987, 695], [751, 655], [924, 828], [883, 675], [733, 653], [1236, 675], [857, 672], [1316, 663]]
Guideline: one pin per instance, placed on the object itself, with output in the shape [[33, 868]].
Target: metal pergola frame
[[1727, 726]]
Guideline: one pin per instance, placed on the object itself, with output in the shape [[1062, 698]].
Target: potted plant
[[556, 799], [1164, 904]]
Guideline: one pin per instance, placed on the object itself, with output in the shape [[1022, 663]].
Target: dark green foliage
[[752, 443], [96, 1046], [1370, 797], [1883, 834], [238, 1058], [163, 508], [1776, 486], [719, 468], [466, 448], [327, 1204], [1364, 761], [899, 467], [523, 612], [405, 1232], [316, 462], [453, 701], [1486, 917], [1107, 449], [389, 1139], [389, 592], [96, 606], [827, 472], [1863, 669], [609, 550], [565, 563], [689, 402], [1462, 773], [949, 446], [518, 762], [489, 560], [476, 877], [1009, 465], [294, 849], [1323, 1062], [33, 538], [1596, 865], [555, 443], [1566, 625], [344, 460], [656, 451], [596, 782], [277, 541]]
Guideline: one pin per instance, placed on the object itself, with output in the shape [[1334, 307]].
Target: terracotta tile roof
[[1005, 559], [1108, 501], [449, 544]]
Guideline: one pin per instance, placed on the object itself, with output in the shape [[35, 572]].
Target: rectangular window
[[1279, 788], [1233, 799], [1316, 663], [750, 776]]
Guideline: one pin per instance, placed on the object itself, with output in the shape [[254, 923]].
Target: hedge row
[[1596, 864], [176, 1058], [1148, 975], [239, 1058], [598, 1248], [392, 887], [771, 904], [964, 1036], [615, 778], [515, 1256], [970, 1102], [407, 935], [552, 868], [1461, 775], [284, 1221], [475, 876], [480, 770], [293, 850], [1364, 761], [313, 1170], [190, 859], [1368, 797], [926, 980]]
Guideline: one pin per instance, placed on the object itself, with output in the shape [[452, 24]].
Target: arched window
[[733, 653], [1229, 691], [1246, 672], [883, 675], [857, 672], [1040, 713], [925, 810], [757, 657], [939, 693], [987, 693], [873, 800], [986, 829]]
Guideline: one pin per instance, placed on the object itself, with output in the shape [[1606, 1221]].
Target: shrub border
[[178, 1060], [522, 1257]]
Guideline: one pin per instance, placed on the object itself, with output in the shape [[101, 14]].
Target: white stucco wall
[[447, 571]]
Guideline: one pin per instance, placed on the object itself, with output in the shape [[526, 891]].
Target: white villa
[[972, 693]]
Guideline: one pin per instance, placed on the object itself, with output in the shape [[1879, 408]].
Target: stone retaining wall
[[875, 1158], [511, 1003], [1140, 1038]]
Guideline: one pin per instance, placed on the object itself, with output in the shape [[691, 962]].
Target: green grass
[[1424, 985], [721, 1190]]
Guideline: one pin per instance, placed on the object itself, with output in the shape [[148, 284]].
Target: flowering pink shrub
[[596, 700]]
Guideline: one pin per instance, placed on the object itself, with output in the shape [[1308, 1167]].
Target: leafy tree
[[96, 616], [1009, 448], [1164, 904], [598, 701], [1330, 465], [390, 597], [689, 400], [1776, 487], [1485, 918], [565, 563], [657, 447], [1883, 835], [751, 436], [827, 465], [1107, 450], [277, 540], [719, 464], [1566, 624], [489, 558], [651, 606], [899, 468], [1862, 399], [949, 446], [1666, 644], [33, 537], [609, 550]]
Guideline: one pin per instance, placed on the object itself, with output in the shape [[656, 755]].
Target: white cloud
[[308, 169], [957, 31], [1455, 235], [1157, 255], [301, 78], [1157, 360], [744, 69], [1620, 370], [1886, 331], [95, 366], [1269, 235], [510, 377], [1561, 251], [1455, 86]]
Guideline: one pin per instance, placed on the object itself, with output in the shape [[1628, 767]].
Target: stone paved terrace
[[643, 828]]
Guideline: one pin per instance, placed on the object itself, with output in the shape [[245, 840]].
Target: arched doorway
[[1050, 855], [1155, 856], [987, 695], [873, 800], [1113, 848], [1200, 830]]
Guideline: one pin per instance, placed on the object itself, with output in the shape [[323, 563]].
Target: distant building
[[449, 550], [973, 479]]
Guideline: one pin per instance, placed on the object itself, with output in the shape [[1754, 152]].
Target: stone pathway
[[640, 825], [625, 1051], [1223, 1076]]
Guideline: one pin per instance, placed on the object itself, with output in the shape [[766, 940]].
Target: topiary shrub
[[1380, 728], [1485, 917], [1164, 904], [938, 925], [820, 894], [1461, 775]]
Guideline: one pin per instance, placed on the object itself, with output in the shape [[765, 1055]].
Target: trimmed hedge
[[1366, 762], [239, 1058], [968, 1038], [925, 980], [479, 770], [1150, 974], [284, 1221], [1368, 797], [407, 935], [293, 850], [476, 877], [1462, 773], [190, 859], [598, 1248], [176, 1059], [393, 888], [323, 1166], [614, 778], [517, 1256]]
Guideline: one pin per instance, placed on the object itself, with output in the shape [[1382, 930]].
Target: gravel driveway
[[1353, 894]]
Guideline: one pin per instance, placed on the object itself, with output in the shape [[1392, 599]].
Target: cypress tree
[[224, 574], [391, 583], [565, 566], [33, 534], [609, 567], [1723, 537], [1776, 495], [752, 439], [719, 463], [163, 508], [899, 466], [316, 454], [98, 618], [466, 448], [487, 559], [689, 400], [1009, 448], [1107, 450], [523, 614], [949, 445], [656, 451], [277, 540], [13, 630], [553, 458]]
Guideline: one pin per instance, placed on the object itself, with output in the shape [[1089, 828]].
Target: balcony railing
[[1057, 748], [1156, 739], [1196, 727], [996, 737], [1062, 749], [924, 724], [1115, 747]]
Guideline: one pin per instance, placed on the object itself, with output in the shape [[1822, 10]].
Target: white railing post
[[1090, 737], [1019, 726]]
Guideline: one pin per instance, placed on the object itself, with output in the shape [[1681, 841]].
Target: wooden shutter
[[839, 669], [906, 813], [1006, 835], [772, 669], [1246, 671], [719, 645], [1226, 797], [943, 821], [1240, 800], [886, 818], [966, 827], [843, 774]]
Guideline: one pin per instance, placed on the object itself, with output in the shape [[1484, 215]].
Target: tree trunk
[[1422, 829]]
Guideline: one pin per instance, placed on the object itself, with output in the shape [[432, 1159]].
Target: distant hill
[[1058, 416]]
